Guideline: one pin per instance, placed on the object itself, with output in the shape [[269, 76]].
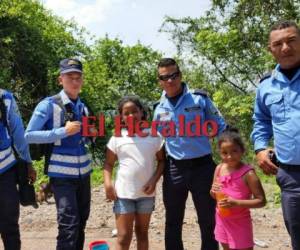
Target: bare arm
[[149, 188], [215, 186], [110, 159], [259, 198]]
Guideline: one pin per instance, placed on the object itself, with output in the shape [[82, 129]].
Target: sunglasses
[[167, 77]]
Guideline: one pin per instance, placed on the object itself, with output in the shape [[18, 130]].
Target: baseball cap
[[70, 65]]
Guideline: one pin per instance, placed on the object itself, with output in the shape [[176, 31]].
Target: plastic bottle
[[224, 212]]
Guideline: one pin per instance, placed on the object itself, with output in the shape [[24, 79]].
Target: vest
[[69, 157], [7, 158]]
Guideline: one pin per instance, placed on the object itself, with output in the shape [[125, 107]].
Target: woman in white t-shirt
[[134, 188]]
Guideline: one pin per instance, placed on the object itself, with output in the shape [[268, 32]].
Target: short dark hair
[[231, 134], [166, 62], [134, 99], [284, 24]]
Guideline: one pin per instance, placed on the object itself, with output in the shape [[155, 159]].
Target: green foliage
[[236, 107], [41, 178], [113, 70], [230, 41], [97, 177], [272, 190], [32, 42]]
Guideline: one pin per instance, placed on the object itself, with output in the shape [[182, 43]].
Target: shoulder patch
[[265, 76], [200, 92]]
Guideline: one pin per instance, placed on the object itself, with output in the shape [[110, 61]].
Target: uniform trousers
[[288, 179], [73, 199], [180, 177], [9, 210]]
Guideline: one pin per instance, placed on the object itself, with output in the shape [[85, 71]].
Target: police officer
[[11, 135], [189, 163], [276, 114], [57, 121]]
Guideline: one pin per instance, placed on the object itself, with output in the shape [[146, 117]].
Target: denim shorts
[[143, 205]]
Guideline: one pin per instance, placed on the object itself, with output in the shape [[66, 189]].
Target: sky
[[129, 20]]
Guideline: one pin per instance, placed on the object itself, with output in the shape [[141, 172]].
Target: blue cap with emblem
[[70, 65]]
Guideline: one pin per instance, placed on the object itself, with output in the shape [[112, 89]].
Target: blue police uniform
[[10, 125], [69, 167], [276, 115], [189, 166]]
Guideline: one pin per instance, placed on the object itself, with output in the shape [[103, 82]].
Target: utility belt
[[194, 162], [288, 167]]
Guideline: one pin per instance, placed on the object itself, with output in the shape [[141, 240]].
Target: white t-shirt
[[136, 156]]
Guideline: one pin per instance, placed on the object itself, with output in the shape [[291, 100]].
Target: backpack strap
[[3, 112], [67, 109], [68, 115]]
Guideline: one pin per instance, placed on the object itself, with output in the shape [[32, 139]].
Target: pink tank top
[[234, 186]]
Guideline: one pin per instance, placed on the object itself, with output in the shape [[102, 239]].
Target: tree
[[231, 39], [113, 70], [32, 42]]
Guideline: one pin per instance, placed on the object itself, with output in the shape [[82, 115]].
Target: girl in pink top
[[236, 188]]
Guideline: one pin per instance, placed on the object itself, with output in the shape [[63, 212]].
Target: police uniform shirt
[[276, 114], [190, 104]]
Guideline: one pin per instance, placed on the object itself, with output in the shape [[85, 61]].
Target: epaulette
[[200, 92], [265, 76]]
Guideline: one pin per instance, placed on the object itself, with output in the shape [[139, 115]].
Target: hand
[[93, 131], [228, 202], [212, 134], [216, 187], [73, 128], [149, 188], [110, 191], [265, 163], [31, 173]]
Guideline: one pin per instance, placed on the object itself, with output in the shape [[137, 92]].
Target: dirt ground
[[39, 228]]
